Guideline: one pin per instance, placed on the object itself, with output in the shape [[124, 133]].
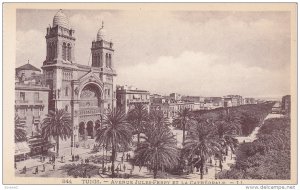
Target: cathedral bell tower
[[60, 41], [102, 51], [58, 67]]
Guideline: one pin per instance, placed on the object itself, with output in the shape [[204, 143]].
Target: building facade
[[84, 91], [128, 97], [286, 104], [31, 107]]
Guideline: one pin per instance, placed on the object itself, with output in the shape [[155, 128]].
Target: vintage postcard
[[150, 93]]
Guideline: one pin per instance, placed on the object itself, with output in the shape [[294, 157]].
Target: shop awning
[[21, 148]]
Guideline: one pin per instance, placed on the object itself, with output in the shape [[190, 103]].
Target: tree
[[158, 150], [116, 132], [157, 119], [201, 143], [183, 120], [228, 125], [20, 132], [57, 124], [138, 118]]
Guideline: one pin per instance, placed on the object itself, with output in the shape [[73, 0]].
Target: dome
[[60, 19], [101, 33]]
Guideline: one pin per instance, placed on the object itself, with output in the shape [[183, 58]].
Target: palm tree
[[201, 144], [158, 150], [116, 132], [20, 132], [157, 119], [138, 118], [57, 124], [183, 121]]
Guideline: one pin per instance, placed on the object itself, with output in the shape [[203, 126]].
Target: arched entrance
[[89, 129], [90, 106], [81, 131]]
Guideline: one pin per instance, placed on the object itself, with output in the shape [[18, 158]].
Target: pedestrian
[[206, 169], [132, 168], [118, 169], [72, 158], [108, 168], [61, 159], [44, 168], [15, 165], [124, 167], [24, 169], [36, 170], [225, 158], [53, 167], [128, 156], [41, 159]]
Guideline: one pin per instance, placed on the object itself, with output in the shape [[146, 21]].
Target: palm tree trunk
[[183, 134], [57, 145], [201, 169], [155, 172], [113, 157]]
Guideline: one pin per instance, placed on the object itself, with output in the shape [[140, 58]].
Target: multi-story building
[[31, 107], [233, 100], [175, 96], [249, 101], [286, 104], [213, 102], [128, 97], [86, 92]]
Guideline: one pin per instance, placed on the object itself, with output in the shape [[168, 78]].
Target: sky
[[204, 53]]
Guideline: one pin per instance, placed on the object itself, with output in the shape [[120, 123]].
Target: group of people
[[75, 158]]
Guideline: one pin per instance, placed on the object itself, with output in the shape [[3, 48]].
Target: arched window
[[54, 50], [109, 61], [69, 52], [106, 60], [64, 47], [67, 91], [48, 51], [96, 62], [101, 59]]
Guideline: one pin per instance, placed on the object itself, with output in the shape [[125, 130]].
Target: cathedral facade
[[86, 92]]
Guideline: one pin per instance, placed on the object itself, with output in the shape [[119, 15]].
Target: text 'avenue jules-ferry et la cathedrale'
[[84, 91]]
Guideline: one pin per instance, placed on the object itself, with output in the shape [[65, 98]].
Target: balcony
[[21, 101], [132, 101], [89, 111]]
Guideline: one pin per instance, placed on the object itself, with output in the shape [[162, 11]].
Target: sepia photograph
[[156, 93]]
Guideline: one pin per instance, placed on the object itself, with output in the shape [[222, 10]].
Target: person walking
[[44, 168], [124, 167], [24, 169], [53, 167], [36, 170]]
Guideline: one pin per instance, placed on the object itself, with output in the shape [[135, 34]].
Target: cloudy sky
[[208, 53]]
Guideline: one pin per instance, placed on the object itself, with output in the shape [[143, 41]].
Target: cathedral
[[86, 92]]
